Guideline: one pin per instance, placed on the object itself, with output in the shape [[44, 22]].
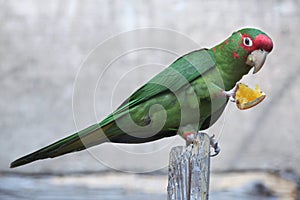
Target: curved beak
[[257, 59]]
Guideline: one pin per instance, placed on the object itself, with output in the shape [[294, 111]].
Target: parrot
[[187, 96]]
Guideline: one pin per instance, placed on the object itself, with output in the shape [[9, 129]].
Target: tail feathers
[[86, 138]]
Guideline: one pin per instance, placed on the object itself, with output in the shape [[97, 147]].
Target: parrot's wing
[[179, 74]]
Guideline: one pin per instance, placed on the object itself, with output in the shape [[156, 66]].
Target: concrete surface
[[43, 46]]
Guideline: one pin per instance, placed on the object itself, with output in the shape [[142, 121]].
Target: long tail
[[81, 140], [86, 138]]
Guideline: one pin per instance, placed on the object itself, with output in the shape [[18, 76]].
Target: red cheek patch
[[235, 55]]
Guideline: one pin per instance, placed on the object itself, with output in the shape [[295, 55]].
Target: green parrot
[[188, 96]]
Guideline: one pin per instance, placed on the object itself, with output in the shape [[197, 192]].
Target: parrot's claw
[[189, 137], [231, 93], [215, 145]]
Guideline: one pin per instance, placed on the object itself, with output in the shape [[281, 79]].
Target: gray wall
[[45, 45]]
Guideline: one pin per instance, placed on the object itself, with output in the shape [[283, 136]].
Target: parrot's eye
[[247, 41]]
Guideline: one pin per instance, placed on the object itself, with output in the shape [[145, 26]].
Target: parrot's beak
[[257, 59]]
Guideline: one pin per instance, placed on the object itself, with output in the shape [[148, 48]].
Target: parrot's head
[[244, 49], [252, 46]]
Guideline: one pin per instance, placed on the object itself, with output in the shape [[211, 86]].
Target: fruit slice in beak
[[257, 59]]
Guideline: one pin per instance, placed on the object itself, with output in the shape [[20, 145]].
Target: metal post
[[189, 170]]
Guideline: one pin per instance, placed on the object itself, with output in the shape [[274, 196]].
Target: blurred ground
[[43, 46], [112, 185]]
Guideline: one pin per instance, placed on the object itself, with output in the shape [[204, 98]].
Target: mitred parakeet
[[187, 96]]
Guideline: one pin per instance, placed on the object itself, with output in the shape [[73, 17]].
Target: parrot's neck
[[231, 64]]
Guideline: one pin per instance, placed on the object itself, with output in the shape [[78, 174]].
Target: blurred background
[[59, 73]]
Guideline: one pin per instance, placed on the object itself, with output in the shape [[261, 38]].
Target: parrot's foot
[[189, 137], [214, 144], [231, 93]]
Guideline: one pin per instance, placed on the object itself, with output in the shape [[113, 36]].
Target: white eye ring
[[247, 41]]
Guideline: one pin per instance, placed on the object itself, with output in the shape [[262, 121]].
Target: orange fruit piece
[[247, 97]]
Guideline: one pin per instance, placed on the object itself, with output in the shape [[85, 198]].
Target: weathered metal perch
[[189, 170]]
